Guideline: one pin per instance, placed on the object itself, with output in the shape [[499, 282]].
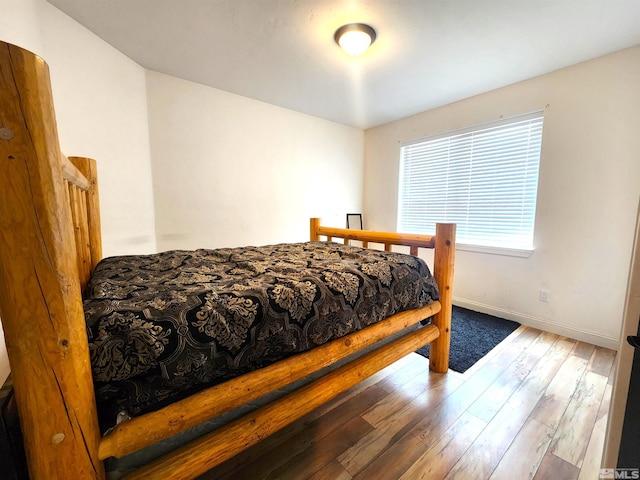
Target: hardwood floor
[[535, 407]]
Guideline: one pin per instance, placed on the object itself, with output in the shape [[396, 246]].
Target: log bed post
[[443, 261], [41, 304], [313, 229]]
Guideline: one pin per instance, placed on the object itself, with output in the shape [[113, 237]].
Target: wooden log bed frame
[[50, 241]]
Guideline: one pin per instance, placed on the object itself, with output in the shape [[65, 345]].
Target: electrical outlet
[[544, 296]]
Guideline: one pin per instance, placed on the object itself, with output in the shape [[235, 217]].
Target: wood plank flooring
[[534, 408]]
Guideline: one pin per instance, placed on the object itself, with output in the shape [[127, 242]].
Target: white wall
[[19, 24], [101, 107], [100, 101], [588, 193], [230, 171]]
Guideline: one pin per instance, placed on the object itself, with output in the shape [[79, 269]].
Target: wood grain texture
[[179, 416], [558, 394], [394, 461], [397, 447], [436, 421], [311, 461], [410, 372], [42, 312], [331, 471], [399, 424], [593, 458], [385, 238], [77, 201], [555, 468], [490, 446], [73, 175], [506, 384], [525, 453], [601, 362], [447, 450], [572, 437], [443, 264], [278, 450], [419, 388], [210, 450], [88, 168], [314, 225], [584, 350]]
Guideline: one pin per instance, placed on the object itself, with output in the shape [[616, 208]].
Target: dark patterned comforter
[[165, 325]]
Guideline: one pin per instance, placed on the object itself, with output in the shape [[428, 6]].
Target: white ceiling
[[428, 52]]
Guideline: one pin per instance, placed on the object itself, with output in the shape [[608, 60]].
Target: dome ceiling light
[[355, 38]]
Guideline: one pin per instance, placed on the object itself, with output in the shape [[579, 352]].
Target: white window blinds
[[484, 179]]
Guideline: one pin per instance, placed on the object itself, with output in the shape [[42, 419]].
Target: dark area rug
[[473, 335]]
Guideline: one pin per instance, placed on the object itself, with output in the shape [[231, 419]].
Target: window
[[484, 179]]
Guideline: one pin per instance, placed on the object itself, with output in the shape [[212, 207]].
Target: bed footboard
[[443, 244]]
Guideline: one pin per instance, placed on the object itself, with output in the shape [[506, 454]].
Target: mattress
[[164, 326]]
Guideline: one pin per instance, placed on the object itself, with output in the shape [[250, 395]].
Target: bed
[[50, 252]]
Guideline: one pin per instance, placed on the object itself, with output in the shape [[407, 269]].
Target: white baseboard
[[541, 324]]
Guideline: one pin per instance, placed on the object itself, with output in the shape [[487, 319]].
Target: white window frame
[[452, 186]]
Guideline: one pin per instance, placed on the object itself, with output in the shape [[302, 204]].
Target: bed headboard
[[47, 250], [81, 179]]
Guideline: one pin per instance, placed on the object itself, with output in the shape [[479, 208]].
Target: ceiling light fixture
[[355, 38]]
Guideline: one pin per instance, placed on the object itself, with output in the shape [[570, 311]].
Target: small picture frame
[[354, 221]]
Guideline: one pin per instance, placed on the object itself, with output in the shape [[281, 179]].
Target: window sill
[[507, 252]]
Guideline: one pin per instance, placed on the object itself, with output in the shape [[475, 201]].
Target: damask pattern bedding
[[163, 326]]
